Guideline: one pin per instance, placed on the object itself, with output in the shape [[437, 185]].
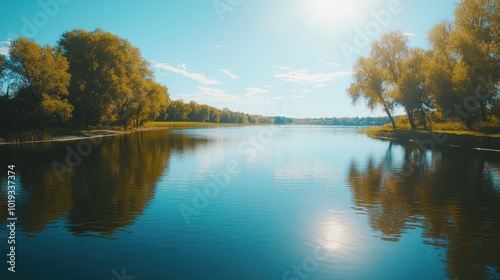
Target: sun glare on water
[[334, 236]]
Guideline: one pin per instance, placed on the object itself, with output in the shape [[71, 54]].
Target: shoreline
[[467, 140], [85, 134], [89, 134]]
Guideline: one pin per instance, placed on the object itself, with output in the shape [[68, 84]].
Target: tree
[[391, 52], [150, 105], [178, 111], [475, 41], [203, 113], [440, 68], [412, 84], [109, 77], [369, 85], [214, 115], [42, 82]]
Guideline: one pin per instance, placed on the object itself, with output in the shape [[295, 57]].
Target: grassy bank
[[463, 138]]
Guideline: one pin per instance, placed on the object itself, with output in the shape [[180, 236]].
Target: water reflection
[[334, 236], [106, 192], [449, 193]]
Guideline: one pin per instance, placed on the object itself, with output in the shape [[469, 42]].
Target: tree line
[[356, 121], [91, 79], [456, 79], [178, 110]]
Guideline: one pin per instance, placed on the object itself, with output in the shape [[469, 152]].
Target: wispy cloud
[[255, 96], [302, 76], [319, 85], [306, 90], [255, 91], [334, 64], [215, 94], [408, 34], [229, 73], [279, 97], [5, 46], [182, 70]]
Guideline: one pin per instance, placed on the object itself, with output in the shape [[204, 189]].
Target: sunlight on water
[[334, 236]]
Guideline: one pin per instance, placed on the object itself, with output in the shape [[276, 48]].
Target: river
[[277, 202]]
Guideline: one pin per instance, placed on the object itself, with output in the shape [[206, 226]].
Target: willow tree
[[391, 52], [475, 39], [369, 85], [42, 83], [440, 69], [109, 77], [412, 83]]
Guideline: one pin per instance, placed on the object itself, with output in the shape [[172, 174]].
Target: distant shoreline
[[429, 139]]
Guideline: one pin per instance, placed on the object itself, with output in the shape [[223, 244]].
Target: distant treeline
[[356, 121], [456, 80], [180, 111]]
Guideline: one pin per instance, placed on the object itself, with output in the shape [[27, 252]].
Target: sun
[[332, 12]]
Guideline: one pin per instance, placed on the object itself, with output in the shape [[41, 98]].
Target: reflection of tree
[[450, 194], [108, 190]]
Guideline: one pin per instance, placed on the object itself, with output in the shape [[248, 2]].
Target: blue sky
[[269, 57]]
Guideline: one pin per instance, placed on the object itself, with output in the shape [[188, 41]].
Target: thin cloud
[[254, 96], [215, 94], [182, 70], [4, 50], [256, 91], [319, 85], [229, 73], [333, 64], [306, 90], [5, 46], [302, 76], [408, 34]]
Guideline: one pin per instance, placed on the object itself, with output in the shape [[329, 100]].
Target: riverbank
[[95, 133], [465, 139]]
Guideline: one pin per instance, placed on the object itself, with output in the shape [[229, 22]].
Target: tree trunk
[[424, 121], [390, 117], [409, 112], [482, 108]]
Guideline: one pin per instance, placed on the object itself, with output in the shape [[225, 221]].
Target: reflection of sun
[[334, 236]]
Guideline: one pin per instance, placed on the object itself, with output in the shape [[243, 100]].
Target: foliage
[[41, 84], [111, 82], [459, 76]]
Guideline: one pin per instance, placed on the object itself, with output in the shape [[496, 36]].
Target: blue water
[[252, 203]]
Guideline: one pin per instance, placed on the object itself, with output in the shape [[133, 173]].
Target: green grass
[[465, 138], [186, 124], [29, 135]]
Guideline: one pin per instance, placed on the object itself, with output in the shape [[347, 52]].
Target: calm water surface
[[251, 203]]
